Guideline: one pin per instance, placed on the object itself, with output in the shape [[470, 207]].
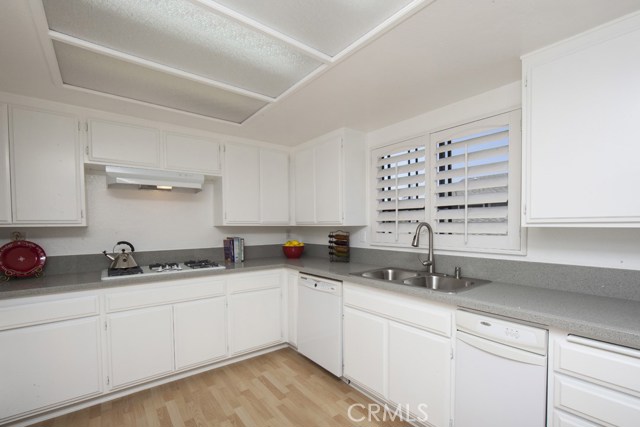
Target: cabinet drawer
[[174, 291], [606, 364], [33, 313], [400, 308], [596, 403], [250, 282], [562, 419]]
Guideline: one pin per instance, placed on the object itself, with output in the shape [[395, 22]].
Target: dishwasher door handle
[[502, 350]]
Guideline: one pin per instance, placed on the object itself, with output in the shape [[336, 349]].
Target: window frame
[[515, 240]]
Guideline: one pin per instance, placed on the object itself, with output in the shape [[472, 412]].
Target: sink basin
[[389, 274], [443, 283], [436, 282]]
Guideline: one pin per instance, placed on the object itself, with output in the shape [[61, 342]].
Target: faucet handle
[[458, 272]]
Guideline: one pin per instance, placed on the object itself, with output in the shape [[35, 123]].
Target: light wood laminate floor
[[277, 389]]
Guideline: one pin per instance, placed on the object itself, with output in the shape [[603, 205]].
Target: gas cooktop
[[162, 268]]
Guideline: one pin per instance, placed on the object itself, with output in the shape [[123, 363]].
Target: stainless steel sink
[[436, 282], [389, 274], [443, 283]]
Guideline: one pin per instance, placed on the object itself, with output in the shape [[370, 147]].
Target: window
[[399, 190], [464, 181]]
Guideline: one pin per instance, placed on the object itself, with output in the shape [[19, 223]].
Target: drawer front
[[562, 419], [26, 313], [174, 291], [251, 282], [599, 363], [400, 308], [596, 403]]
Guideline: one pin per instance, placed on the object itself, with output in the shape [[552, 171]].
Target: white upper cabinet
[[46, 168], [580, 121], [5, 174], [191, 153], [254, 189], [123, 144], [329, 176]]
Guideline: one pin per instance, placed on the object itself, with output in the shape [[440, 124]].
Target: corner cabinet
[[329, 175], [580, 129], [50, 353], [43, 171], [254, 189]]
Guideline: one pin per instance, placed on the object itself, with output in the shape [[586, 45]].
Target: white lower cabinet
[[364, 349], [140, 345], [200, 331], [420, 373], [593, 383], [399, 348], [48, 365]]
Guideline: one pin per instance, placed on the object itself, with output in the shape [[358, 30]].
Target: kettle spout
[[108, 256]]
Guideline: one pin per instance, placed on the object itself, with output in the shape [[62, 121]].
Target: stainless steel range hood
[[118, 176]]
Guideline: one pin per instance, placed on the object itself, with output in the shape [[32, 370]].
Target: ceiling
[[432, 55]]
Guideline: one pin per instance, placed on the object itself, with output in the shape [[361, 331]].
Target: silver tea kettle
[[122, 260]]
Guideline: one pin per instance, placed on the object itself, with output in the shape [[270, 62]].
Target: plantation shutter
[[473, 194], [399, 190]]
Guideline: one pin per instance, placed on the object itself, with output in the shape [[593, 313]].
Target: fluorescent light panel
[[88, 70]]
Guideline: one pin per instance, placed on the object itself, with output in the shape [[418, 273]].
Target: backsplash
[[608, 282]]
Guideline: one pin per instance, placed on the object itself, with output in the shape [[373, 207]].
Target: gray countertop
[[608, 319]]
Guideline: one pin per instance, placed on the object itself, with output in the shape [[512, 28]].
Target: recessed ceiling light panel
[[84, 69], [187, 36]]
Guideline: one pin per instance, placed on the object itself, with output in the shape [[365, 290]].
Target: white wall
[[614, 248], [150, 220]]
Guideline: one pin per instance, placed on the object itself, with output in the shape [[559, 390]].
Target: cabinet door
[[581, 129], [241, 184], [255, 320], [47, 172], [140, 345], [48, 365], [190, 153], [420, 373], [200, 331], [304, 175], [123, 144], [328, 179], [274, 187], [365, 349], [5, 186]]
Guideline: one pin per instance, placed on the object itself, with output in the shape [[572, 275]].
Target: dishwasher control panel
[[503, 331]]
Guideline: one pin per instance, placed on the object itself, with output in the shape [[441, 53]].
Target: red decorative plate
[[22, 259]]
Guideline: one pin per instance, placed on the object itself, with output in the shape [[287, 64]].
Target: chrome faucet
[[430, 261]]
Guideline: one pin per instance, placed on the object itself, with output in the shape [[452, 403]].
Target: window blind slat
[[475, 171], [401, 204], [401, 193], [490, 228], [402, 170], [499, 212], [497, 154], [473, 199], [493, 138], [475, 184], [409, 154]]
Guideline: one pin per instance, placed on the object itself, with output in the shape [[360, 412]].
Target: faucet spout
[[430, 262]]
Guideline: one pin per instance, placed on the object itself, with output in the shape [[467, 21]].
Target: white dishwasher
[[320, 321], [501, 373]]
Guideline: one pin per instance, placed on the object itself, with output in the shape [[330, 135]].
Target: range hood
[[145, 179]]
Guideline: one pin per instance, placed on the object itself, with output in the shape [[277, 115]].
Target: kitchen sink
[[436, 282], [389, 274], [443, 283]]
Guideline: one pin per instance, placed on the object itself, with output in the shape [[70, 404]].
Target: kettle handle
[[126, 243]]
